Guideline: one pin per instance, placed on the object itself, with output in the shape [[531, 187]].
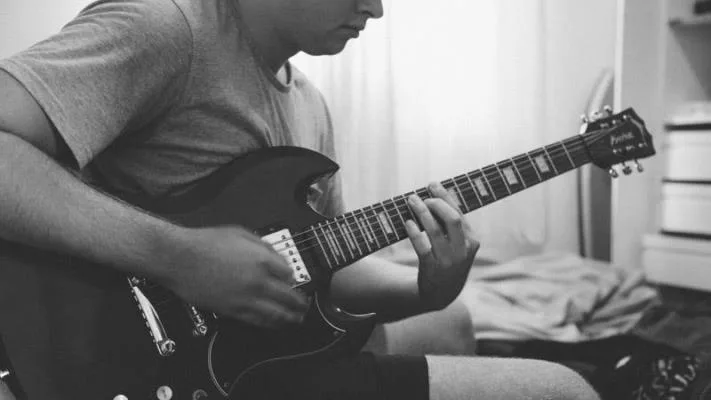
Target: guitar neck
[[356, 234]]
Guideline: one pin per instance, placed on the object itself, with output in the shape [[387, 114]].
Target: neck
[[258, 18]]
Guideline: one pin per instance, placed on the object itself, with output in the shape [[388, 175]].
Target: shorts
[[363, 376]]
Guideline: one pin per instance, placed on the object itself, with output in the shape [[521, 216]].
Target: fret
[[500, 189], [578, 151], [399, 212], [334, 240], [424, 193], [393, 217], [518, 172], [331, 246], [476, 194], [542, 164], [482, 187], [572, 163], [346, 239], [385, 223], [374, 224], [491, 189], [456, 193], [550, 160], [503, 178], [354, 231], [323, 250], [535, 168], [364, 228], [526, 170]]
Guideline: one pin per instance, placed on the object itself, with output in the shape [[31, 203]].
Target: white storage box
[[686, 208], [677, 261], [689, 155]]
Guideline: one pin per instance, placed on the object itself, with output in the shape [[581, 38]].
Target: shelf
[[679, 262], [691, 21]]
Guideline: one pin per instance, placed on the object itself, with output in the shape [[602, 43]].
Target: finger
[[422, 212], [265, 313], [454, 224], [286, 296], [277, 266], [419, 240], [439, 191]]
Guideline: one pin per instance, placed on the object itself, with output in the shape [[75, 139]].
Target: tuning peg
[[613, 173], [120, 397], [640, 168], [608, 110], [584, 119], [626, 169]]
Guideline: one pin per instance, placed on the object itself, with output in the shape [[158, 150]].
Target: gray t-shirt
[[156, 94]]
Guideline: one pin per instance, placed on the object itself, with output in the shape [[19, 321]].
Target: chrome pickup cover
[[283, 243]]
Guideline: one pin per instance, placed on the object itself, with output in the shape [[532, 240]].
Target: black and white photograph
[[355, 200]]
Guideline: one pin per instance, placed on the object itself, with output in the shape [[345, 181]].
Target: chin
[[329, 49]]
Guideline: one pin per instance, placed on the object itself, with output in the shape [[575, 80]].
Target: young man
[[145, 98]]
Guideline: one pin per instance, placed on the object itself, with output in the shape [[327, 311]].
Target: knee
[[5, 392], [557, 382]]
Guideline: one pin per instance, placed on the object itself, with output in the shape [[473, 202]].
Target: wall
[[581, 43], [25, 22]]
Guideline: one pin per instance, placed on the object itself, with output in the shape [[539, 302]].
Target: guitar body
[[72, 330]]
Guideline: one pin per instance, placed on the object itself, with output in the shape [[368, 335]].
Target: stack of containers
[[680, 254]]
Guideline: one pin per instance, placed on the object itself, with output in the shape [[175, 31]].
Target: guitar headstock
[[613, 139]]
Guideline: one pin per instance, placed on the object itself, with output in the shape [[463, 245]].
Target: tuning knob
[[613, 173], [164, 393], [640, 168], [608, 110], [626, 169], [120, 397]]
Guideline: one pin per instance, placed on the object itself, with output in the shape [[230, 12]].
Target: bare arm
[[376, 284], [44, 205], [446, 250]]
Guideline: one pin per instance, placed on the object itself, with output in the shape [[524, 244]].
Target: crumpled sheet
[[556, 296]]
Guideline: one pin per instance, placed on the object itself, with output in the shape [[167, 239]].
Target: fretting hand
[[446, 248]]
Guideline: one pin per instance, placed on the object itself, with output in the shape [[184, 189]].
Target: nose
[[373, 8]]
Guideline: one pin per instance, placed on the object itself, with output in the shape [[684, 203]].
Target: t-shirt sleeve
[[330, 202], [111, 70]]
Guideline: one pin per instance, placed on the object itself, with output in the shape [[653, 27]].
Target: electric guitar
[[78, 331]]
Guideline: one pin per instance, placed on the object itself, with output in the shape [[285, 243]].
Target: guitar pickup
[[283, 243]]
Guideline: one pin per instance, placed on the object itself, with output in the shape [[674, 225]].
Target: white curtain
[[437, 89]]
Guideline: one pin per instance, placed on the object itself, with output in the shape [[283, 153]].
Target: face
[[321, 27]]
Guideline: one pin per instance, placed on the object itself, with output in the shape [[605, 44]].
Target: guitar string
[[395, 210], [497, 185], [361, 238], [310, 236]]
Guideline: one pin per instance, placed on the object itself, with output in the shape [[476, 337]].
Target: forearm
[[378, 285], [46, 206]]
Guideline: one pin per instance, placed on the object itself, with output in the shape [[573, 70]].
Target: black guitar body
[[73, 330]]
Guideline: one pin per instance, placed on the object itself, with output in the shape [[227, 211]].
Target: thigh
[[357, 377], [482, 378]]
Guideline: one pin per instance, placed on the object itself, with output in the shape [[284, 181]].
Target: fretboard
[[356, 234]]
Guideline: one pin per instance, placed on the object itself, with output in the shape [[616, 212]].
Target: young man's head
[[316, 27]]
